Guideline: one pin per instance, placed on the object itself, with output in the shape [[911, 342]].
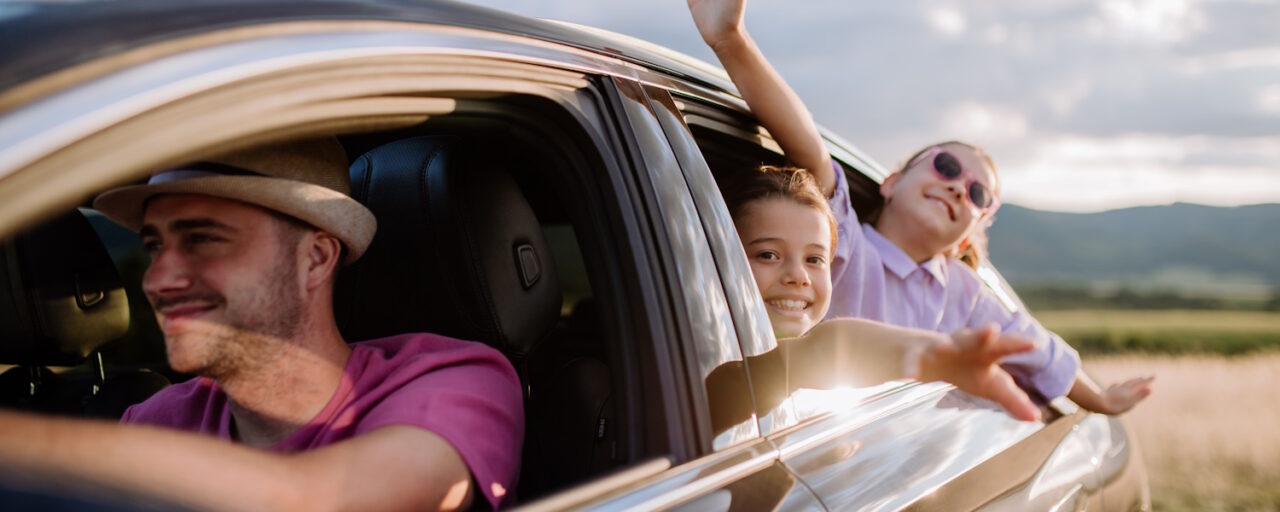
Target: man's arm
[[720, 22], [390, 468]]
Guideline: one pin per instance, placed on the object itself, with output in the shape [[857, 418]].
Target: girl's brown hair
[[973, 248], [772, 182]]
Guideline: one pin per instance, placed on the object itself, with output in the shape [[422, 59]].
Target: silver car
[[545, 188]]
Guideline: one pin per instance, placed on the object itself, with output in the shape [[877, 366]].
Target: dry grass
[[1210, 432], [1202, 320]]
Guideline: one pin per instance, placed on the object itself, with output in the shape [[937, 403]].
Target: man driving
[[245, 250]]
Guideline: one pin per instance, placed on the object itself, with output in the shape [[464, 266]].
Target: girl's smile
[[789, 247], [927, 214]]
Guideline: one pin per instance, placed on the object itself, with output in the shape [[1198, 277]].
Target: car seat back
[[61, 299], [460, 252]]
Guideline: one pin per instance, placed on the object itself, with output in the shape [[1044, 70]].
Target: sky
[[1085, 105]]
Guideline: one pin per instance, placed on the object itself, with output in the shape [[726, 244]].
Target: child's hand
[[972, 363], [717, 20], [1119, 398]]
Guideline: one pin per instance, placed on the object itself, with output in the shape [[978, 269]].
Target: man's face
[[223, 281]]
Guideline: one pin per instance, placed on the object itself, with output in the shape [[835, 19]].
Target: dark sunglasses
[[949, 168]]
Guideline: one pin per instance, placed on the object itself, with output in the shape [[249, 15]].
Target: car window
[[731, 142]]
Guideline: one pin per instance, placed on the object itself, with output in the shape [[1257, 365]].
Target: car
[[546, 188]]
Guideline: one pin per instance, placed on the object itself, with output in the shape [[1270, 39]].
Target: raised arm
[[777, 106], [389, 468]]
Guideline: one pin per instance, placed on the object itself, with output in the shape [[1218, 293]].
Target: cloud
[[946, 21], [988, 123], [1160, 21], [1062, 98], [1077, 173], [1133, 88], [1269, 99], [997, 34], [1248, 58]]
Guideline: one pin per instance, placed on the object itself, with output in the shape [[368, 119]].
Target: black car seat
[[460, 252], [61, 299]]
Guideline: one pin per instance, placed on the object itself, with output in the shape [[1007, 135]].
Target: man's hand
[[718, 20], [971, 362]]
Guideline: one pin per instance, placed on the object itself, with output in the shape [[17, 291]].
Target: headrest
[[60, 295], [458, 251]]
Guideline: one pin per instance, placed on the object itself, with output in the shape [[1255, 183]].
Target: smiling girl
[[788, 232], [899, 268]]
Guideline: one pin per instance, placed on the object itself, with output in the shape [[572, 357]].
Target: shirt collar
[[897, 260]]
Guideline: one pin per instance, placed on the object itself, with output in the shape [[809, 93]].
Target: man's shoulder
[[423, 353], [423, 344], [177, 405]]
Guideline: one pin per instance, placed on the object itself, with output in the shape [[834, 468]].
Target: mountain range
[[1177, 246]]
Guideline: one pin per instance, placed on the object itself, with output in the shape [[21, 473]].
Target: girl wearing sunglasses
[[904, 266]]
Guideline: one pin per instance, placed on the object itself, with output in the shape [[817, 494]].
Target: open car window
[[534, 131], [731, 142]]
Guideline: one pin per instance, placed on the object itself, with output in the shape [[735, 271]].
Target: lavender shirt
[[465, 392], [874, 279]]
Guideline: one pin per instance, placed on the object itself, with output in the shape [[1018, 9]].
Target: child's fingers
[[988, 333], [1014, 400], [1143, 387], [975, 339], [1009, 344]]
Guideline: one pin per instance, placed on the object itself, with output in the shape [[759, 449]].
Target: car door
[[729, 465]]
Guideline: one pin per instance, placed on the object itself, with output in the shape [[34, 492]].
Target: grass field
[[1210, 432], [1166, 331]]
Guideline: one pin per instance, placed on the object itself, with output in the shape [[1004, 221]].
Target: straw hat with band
[[306, 180]]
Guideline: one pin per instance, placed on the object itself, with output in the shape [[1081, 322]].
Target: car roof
[[38, 38]]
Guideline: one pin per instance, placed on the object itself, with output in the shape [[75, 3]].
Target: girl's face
[[939, 211], [789, 247]]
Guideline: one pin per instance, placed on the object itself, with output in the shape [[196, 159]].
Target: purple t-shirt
[[874, 279], [464, 392]]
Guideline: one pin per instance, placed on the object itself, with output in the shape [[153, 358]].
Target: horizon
[[1130, 207], [1086, 105]]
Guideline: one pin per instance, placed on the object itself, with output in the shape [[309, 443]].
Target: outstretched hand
[[972, 363], [1123, 396], [717, 20]]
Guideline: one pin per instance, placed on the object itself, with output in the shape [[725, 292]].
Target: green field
[[1166, 331]]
